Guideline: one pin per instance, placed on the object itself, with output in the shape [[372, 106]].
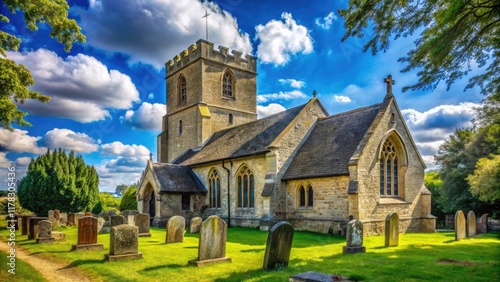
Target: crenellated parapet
[[204, 49]]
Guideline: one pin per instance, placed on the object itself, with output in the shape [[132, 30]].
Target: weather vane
[[206, 22]]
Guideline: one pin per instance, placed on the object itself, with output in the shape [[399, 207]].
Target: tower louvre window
[[182, 89], [228, 85]]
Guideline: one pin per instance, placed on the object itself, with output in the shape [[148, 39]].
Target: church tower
[[207, 90]]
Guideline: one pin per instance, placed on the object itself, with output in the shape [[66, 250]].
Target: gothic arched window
[[180, 127], [389, 169], [302, 196], [310, 196], [214, 189], [228, 85], [230, 119], [245, 180], [182, 89]]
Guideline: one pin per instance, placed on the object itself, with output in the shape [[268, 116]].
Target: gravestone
[[88, 214], [78, 215], [279, 245], [129, 216], [142, 221], [175, 229], [59, 236], [87, 235], [123, 243], [471, 224], [212, 245], [195, 224], [312, 276], [25, 224], [51, 215], [392, 230], [45, 232], [63, 218], [57, 217], [33, 227], [105, 229], [460, 226], [71, 219], [115, 220], [482, 224], [100, 224], [354, 238]]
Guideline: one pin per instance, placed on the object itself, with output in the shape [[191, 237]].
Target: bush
[[129, 202]]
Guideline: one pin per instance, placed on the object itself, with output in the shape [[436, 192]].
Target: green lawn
[[420, 257]]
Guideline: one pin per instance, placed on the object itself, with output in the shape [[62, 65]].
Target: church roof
[[331, 144], [177, 179], [248, 139]]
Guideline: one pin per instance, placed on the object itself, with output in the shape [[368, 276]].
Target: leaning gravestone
[[212, 246], [194, 224], [482, 224], [142, 221], [63, 218], [45, 232], [279, 245], [354, 238], [87, 235], [471, 224], [100, 224], [392, 230], [460, 232], [115, 220], [33, 227], [175, 229], [123, 243]]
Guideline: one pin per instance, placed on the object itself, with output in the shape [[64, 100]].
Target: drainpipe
[[228, 192]]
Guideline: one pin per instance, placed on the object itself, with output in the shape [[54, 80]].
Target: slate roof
[[248, 139], [331, 144], [177, 179]]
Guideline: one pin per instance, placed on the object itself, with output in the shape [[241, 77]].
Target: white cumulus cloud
[[20, 142], [342, 99], [81, 87], [171, 26], [273, 108], [289, 95], [117, 148], [292, 82], [147, 116], [326, 22], [69, 140], [279, 39]]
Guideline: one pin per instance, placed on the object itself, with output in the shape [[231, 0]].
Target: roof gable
[[177, 179]]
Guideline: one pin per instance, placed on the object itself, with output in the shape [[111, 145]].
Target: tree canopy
[[455, 36], [57, 180], [129, 201], [16, 78]]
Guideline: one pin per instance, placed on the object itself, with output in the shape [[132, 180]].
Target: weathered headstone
[[392, 230], [279, 245], [71, 219], [212, 246], [78, 215], [115, 220], [482, 224], [59, 236], [175, 229], [88, 214], [123, 243], [129, 216], [87, 235], [51, 215], [195, 224], [33, 227], [105, 229], [63, 218], [471, 224], [57, 217], [142, 221], [460, 226], [45, 232], [100, 224], [354, 238]]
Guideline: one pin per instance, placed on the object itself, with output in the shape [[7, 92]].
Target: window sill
[[391, 200], [228, 98], [305, 209]]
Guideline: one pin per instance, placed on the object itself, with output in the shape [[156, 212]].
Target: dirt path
[[52, 271]]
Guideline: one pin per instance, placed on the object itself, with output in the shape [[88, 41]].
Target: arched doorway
[[152, 205]]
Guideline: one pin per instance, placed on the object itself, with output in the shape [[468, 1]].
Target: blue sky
[[108, 95]]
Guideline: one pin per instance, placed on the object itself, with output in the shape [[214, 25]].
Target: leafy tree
[[129, 202], [434, 183], [485, 181], [120, 189], [57, 180], [17, 78], [109, 202], [454, 35]]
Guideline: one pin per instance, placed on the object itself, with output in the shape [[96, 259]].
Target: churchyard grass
[[419, 257], [23, 271]]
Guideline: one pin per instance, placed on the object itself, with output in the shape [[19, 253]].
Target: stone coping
[[391, 200]]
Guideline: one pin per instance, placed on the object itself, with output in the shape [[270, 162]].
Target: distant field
[[420, 257]]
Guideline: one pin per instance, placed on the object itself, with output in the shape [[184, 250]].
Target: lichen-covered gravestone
[[212, 246], [460, 226], [142, 221], [63, 218], [45, 232], [57, 217], [51, 215], [195, 224], [471, 224], [175, 229], [279, 245], [354, 238], [116, 220], [482, 224], [392, 230], [87, 235], [123, 243]]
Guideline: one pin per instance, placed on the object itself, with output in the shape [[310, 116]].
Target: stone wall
[[493, 224]]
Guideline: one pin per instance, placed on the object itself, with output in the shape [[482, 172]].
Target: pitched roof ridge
[[357, 110]]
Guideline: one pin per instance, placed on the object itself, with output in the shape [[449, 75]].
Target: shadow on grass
[[253, 250], [78, 262], [191, 247], [161, 267]]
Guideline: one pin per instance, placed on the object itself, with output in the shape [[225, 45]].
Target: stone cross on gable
[[315, 93], [390, 83], [206, 22]]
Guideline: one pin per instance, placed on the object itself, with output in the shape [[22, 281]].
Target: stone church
[[302, 165]]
